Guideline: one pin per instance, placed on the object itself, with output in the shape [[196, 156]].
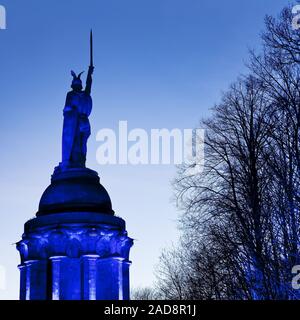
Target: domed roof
[[76, 189]]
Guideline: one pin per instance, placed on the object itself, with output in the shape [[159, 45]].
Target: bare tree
[[278, 67], [143, 293], [240, 218]]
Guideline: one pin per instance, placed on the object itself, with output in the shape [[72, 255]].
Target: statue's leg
[[76, 157], [85, 134]]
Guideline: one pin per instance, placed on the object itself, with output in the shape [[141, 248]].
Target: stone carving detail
[[74, 248], [74, 242]]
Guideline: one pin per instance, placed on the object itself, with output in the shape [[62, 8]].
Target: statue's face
[[77, 87]]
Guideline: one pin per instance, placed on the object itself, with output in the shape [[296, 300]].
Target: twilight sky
[[159, 64]]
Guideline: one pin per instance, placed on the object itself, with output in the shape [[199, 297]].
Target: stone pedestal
[[75, 249]]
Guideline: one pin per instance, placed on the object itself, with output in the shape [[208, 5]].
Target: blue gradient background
[[159, 64]]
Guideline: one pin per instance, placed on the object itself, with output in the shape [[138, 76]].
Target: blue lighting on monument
[[75, 248]]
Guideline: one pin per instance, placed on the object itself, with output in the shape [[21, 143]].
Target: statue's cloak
[[77, 109], [69, 132]]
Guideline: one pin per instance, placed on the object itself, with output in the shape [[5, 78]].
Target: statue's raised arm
[[89, 80]]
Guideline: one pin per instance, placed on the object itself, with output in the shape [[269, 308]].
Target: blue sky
[[159, 64]]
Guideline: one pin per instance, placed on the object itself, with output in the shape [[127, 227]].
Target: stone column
[[89, 277], [36, 280], [56, 271], [22, 268], [126, 281]]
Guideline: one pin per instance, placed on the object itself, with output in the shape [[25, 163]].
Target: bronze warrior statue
[[76, 127]]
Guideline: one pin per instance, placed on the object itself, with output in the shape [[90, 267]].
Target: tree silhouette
[[240, 220]]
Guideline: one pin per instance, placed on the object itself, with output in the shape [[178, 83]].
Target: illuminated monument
[[75, 248]]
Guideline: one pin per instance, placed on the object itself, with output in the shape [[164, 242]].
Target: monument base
[[75, 256]]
